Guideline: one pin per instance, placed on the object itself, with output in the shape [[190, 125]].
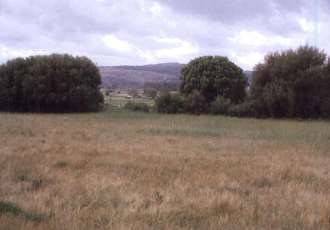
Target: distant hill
[[163, 68], [136, 76]]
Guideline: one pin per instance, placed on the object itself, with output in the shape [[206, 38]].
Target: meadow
[[125, 170]]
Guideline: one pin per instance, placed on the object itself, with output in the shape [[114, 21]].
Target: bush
[[245, 109], [195, 103], [54, 83], [220, 106], [169, 104], [294, 83], [137, 107]]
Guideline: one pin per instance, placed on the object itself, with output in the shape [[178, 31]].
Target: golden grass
[[124, 170]]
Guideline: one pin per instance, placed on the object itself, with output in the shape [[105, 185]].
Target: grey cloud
[[175, 31], [276, 16]]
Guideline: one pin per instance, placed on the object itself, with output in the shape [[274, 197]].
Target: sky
[[136, 32]]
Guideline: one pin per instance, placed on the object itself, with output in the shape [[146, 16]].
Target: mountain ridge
[[131, 76]]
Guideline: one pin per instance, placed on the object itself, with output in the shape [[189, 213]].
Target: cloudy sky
[[114, 32]]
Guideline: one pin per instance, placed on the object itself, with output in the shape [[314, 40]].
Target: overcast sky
[[133, 32]]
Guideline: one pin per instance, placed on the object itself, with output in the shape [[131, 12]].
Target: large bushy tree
[[213, 76], [53, 83], [293, 83]]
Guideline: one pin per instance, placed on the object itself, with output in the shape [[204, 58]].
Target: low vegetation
[[138, 107], [124, 170], [169, 103]]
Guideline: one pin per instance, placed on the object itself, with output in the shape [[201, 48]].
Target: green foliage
[[54, 83], [137, 107], [195, 103], [294, 83], [245, 109], [220, 105], [169, 104], [213, 77]]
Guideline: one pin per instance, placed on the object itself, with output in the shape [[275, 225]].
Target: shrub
[[245, 109], [137, 107], [169, 104], [220, 105], [54, 83], [195, 103]]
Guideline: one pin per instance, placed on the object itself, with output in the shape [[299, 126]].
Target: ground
[[123, 170]]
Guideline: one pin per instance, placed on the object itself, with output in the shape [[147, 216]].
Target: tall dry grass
[[146, 171]]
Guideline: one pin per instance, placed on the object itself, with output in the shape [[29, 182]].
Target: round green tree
[[53, 83], [214, 76]]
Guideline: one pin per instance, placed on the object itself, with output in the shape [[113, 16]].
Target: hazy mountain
[[163, 68], [136, 76]]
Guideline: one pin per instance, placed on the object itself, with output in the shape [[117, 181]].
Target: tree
[[214, 76], [293, 83], [53, 83]]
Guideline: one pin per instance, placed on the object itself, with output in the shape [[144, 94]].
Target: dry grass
[[146, 171]]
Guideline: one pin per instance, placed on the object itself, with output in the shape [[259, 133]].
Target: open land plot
[[124, 170]]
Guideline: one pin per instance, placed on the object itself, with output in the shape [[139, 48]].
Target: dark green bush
[[195, 103], [169, 104], [220, 106], [294, 83], [245, 109], [137, 107], [54, 83]]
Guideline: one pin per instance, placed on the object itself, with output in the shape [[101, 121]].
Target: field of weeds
[[123, 170]]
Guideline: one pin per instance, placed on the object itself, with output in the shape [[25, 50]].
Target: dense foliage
[[169, 103], [213, 76], [220, 106], [54, 83], [294, 83], [195, 103], [137, 107]]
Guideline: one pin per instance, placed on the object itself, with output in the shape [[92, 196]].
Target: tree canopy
[[293, 83], [214, 76], [53, 83]]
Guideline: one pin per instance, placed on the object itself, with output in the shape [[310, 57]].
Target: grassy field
[[119, 101], [122, 170]]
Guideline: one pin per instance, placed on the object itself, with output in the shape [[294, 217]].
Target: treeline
[[54, 83], [292, 83]]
